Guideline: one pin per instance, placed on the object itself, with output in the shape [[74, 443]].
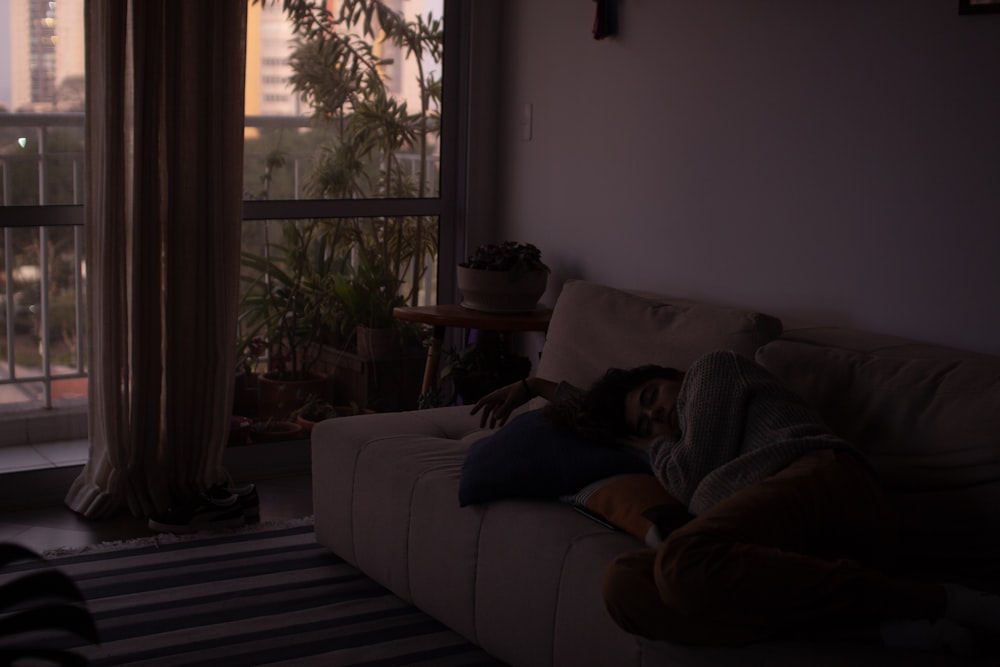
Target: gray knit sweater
[[738, 425]]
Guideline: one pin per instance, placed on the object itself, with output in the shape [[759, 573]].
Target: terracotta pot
[[278, 398], [376, 343], [501, 291], [245, 394], [306, 424], [239, 430]]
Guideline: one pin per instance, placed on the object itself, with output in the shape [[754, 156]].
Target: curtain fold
[[163, 215]]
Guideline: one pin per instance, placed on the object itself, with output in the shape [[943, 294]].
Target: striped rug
[[258, 598]]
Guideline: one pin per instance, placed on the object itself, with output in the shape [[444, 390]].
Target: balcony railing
[[42, 349], [42, 291]]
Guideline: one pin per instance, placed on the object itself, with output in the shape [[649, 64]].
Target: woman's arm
[[497, 405]]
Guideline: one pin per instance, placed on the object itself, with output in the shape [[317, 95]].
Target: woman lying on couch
[[791, 534]]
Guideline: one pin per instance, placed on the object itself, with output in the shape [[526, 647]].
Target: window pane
[[29, 280], [312, 254], [41, 157], [42, 80], [343, 109], [312, 291]]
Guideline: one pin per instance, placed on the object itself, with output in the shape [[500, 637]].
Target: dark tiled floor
[[52, 527]]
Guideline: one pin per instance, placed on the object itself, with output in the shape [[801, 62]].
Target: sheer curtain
[[165, 86]]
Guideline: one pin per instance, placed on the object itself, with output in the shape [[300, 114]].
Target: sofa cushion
[[528, 583], [927, 415], [635, 503], [354, 460], [595, 327], [532, 457], [928, 418]]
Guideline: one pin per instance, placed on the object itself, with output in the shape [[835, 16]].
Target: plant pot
[[376, 344], [501, 291], [239, 431], [277, 397], [245, 394], [274, 431], [387, 385]]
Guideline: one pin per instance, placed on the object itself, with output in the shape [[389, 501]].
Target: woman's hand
[[498, 404]]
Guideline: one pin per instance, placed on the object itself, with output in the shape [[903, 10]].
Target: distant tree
[[70, 94]]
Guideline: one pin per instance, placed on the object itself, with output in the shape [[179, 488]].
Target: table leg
[[433, 359]]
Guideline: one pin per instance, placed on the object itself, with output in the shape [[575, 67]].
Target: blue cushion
[[534, 457]]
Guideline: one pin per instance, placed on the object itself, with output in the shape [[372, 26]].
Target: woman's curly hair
[[599, 413]]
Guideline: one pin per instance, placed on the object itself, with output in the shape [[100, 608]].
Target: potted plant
[[317, 409], [373, 359], [247, 367], [239, 430], [483, 366], [365, 301], [505, 277], [288, 303]]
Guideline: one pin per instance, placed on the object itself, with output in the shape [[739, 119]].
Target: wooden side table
[[447, 315]]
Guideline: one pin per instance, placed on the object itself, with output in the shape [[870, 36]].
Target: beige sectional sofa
[[521, 577]]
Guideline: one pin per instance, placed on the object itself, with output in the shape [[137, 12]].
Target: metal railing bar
[[46, 218], [81, 341], [25, 379], [262, 209], [43, 265], [8, 263], [54, 215], [32, 119]]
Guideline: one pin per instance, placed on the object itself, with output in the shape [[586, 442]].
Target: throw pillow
[[636, 503], [534, 457]]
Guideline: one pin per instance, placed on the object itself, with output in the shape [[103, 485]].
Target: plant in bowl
[[274, 430], [316, 409], [503, 278], [506, 256]]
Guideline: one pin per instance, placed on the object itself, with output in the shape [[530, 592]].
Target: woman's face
[[651, 409]]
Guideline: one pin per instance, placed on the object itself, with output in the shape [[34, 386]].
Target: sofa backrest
[[595, 327], [928, 416]]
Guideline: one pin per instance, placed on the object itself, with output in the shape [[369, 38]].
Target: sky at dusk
[[4, 53], [434, 6]]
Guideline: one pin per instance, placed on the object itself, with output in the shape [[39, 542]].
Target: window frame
[[449, 207], [446, 207]]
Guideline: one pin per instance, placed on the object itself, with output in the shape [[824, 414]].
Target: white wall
[[834, 161]]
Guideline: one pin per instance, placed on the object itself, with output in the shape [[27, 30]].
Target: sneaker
[[248, 499], [209, 510]]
